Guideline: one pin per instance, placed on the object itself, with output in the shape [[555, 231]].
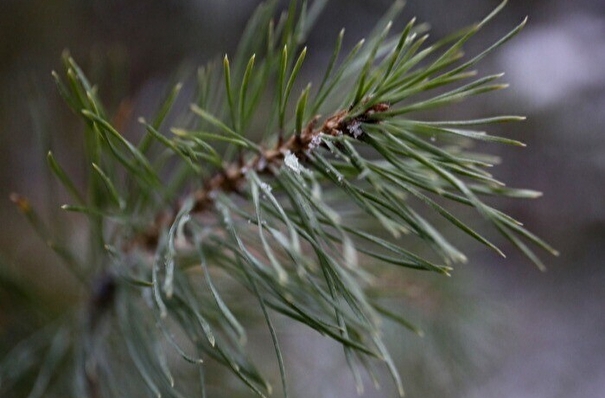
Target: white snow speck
[[315, 142], [265, 187], [291, 161], [262, 163], [355, 129]]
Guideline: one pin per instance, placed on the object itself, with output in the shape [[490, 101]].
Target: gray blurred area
[[529, 335]]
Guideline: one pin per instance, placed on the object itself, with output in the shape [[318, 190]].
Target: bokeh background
[[506, 329]]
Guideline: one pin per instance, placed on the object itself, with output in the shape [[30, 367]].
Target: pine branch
[[168, 245]]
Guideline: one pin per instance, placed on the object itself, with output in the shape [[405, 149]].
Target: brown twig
[[231, 178]]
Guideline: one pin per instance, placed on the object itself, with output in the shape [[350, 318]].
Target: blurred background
[[506, 329]]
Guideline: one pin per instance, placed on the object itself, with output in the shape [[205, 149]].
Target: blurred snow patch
[[550, 63]]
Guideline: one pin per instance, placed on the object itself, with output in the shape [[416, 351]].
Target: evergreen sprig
[[279, 202]]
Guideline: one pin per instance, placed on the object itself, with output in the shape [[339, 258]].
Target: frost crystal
[[262, 163], [355, 129], [315, 142], [291, 161], [265, 187]]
